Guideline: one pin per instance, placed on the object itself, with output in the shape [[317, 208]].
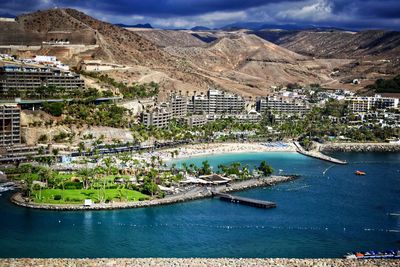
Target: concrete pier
[[317, 155], [246, 201]]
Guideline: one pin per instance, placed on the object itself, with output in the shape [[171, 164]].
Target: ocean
[[327, 212]]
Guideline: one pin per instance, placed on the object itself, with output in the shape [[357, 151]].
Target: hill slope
[[109, 42], [341, 44]]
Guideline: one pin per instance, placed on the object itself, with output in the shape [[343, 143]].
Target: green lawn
[[77, 196]]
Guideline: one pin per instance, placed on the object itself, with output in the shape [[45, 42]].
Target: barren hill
[[164, 38], [237, 61], [341, 44], [246, 59], [108, 41]]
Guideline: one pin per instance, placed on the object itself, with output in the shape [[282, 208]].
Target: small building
[[215, 179]]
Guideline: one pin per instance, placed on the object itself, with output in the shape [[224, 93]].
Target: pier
[[317, 155], [246, 201]]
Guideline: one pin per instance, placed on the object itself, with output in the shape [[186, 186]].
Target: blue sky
[[357, 14]]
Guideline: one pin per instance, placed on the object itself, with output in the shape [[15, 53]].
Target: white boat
[[4, 187]]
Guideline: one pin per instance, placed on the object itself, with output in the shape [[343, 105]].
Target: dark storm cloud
[[164, 8], [183, 13], [384, 9]]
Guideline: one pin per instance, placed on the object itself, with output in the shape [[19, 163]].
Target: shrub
[[55, 109], [73, 185], [57, 197]]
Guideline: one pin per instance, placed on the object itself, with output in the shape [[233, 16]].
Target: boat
[[4, 187], [360, 173], [389, 254]]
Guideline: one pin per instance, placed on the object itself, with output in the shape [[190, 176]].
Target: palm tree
[[86, 175], [99, 172], [81, 148]]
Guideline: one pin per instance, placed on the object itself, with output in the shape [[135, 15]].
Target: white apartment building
[[367, 103], [216, 101], [282, 104], [159, 117], [179, 106]]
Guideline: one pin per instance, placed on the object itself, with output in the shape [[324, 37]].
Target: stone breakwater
[[197, 262], [360, 147], [198, 193]]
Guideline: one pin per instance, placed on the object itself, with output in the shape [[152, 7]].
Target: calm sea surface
[[327, 212]]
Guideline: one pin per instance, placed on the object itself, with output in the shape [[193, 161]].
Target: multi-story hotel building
[[216, 101], [10, 132], [159, 117], [179, 106], [282, 104], [366, 103], [223, 102], [21, 78], [200, 104]]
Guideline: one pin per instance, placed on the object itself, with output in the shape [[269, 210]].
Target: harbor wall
[[360, 147]]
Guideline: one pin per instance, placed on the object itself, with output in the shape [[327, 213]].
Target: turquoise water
[[327, 212]]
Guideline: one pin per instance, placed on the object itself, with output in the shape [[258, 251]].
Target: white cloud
[[312, 11], [212, 19]]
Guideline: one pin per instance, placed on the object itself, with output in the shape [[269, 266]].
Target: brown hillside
[[114, 43]]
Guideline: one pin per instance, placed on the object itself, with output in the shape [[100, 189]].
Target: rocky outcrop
[[198, 262], [360, 147]]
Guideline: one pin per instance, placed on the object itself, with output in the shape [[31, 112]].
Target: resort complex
[[236, 144]]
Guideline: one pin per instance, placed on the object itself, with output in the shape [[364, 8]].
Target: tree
[[86, 175], [81, 147], [206, 168], [265, 168]]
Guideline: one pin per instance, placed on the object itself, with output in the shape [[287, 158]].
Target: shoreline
[[208, 149], [198, 193], [199, 262]]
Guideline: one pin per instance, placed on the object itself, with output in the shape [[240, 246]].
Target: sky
[[348, 14]]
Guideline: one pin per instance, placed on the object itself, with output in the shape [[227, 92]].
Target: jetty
[[245, 201], [317, 155]]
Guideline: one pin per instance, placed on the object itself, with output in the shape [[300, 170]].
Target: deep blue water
[[327, 212]]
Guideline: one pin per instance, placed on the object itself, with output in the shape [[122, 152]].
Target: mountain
[[164, 38], [101, 40], [373, 54], [200, 28], [343, 44], [248, 64], [185, 60], [144, 26]]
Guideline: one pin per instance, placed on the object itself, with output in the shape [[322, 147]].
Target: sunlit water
[[327, 212]]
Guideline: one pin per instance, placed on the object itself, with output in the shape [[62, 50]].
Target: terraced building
[[16, 79], [10, 132]]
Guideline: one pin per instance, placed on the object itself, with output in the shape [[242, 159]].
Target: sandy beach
[[196, 150]]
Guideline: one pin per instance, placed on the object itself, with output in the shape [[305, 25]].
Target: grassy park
[[77, 196]]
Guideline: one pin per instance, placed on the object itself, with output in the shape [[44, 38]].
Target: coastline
[[198, 193], [199, 262], [199, 150], [360, 147]]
